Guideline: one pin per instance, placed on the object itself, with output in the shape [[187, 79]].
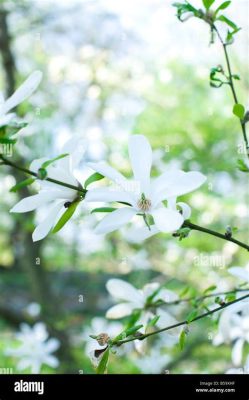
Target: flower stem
[[27, 171], [185, 322], [214, 233], [231, 84]]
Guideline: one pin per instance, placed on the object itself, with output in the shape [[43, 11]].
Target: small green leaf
[[184, 291], [230, 297], [227, 21], [222, 7], [210, 289], [192, 315], [241, 165], [239, 110], [47, 163], [42, 173], [103, 209], [235, 76], [182, 339], [103, 362], [134, 329], [207, 3], [93, 178], [22, 184], [7, 141], [153, 321], [66, 216]]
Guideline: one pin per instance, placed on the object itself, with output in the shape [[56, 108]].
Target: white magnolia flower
[[234, 328], [21, 94], [131, 299], [144, 194], [52, 197], [35, 348]]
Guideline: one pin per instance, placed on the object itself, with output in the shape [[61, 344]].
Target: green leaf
[[103, 209], [235, 76], [186, 8], [227, 21], [7, 140], [207, 3], [241, 165], [210, 289], [182, 339], [47, 163], [239, 111], [184, 291], [153, 321], [66, 216], [134, 329], [222, 7], [22, 184], [103, 362], [191, 316], [93, 178], [230, 297]]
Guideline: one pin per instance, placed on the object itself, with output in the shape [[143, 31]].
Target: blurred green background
[[111, 70]]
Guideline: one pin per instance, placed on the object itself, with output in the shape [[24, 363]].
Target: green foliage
[[185, 9], [66, 216], [182, 339], [242, 166], [93, 178], [191, 316], [208, 3], [103, 210], [239, 111], [52, 160], [22, 184], [102, 367]]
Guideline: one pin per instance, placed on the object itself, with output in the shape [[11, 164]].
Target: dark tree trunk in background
[[26, 253]]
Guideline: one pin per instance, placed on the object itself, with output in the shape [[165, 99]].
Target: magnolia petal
[[106, 170], [52, 345], [115, 220], [119, 311], [121, 290], [138, 235], [237, 352], [52, 361], [167, 220], [186, 210], [24, 91], [241, 273], [106, 194], [141, 159], [176, 183], [32, 202], [45, 226]]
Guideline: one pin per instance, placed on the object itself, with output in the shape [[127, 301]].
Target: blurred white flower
[[241, 370], [35, 348], [241, 273], [21, 94], [153, 363], [53, 197], [234, 328], [131, 299], [99, 325], [33, 309], [145, 195]]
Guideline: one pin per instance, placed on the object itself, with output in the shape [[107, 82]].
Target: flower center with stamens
[[144, 204]]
